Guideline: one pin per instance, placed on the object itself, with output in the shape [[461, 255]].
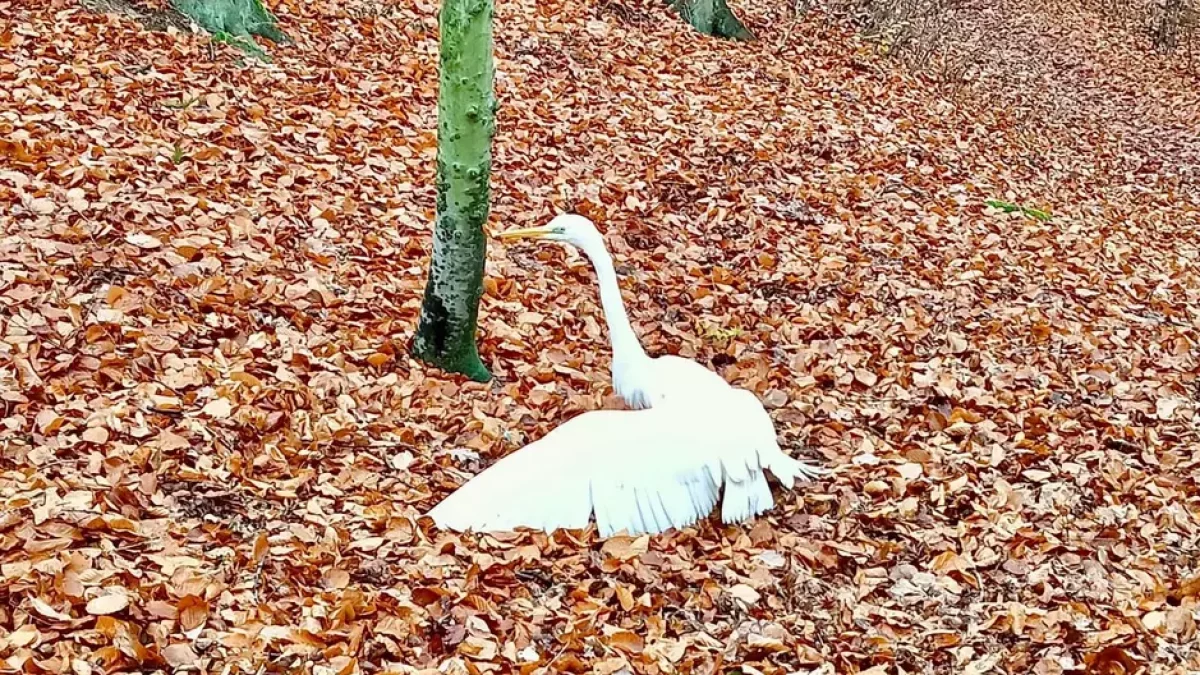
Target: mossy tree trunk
[[712, 17], [236, 18], [466, 112]]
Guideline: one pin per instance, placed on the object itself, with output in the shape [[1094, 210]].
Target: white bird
[[661, 465]]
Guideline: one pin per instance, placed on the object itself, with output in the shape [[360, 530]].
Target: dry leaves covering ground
[[216, 452]]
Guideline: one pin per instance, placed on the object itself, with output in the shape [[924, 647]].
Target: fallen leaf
[[745, 593], [192, 612], [109, 603], [143, 240], [627, 641], [218, 408], [1165, 408], [866, 377], [335, 579], [624, 547], [96, 435], [25, 636], [261, 546], [43, 608], [179, 655]]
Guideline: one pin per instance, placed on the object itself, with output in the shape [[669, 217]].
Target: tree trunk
[[237, 18], [466, 107], [1164, 29], [712, 17]]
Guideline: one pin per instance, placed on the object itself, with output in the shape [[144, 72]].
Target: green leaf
[[1009, 207]]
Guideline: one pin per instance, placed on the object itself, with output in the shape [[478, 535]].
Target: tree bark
[[712, 17], [238, 18], [1165, 24], [466, 112]]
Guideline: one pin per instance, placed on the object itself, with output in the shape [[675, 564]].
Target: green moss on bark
[[237, 18], [466, 123], [712, 17]]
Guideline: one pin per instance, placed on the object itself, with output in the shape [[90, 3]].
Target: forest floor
[[216, 452]]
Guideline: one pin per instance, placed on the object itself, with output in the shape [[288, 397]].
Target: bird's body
[[689, 437], [654, 381]]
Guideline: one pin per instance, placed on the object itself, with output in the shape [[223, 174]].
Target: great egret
[[663, 464]]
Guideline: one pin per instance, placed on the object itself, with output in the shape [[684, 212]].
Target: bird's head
[[570, 228]]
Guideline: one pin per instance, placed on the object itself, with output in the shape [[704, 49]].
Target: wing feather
[[642, 471], [544, 485], [742, 443]]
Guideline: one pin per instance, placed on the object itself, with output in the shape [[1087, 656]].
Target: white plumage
[[636, 470], [663, 464]]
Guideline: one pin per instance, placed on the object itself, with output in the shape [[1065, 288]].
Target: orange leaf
[[1112, 660], [624, 597], [1189, 589], [16, 151], [192, 611], [627, 641], [261, 546], [625, 548], [96, 435]]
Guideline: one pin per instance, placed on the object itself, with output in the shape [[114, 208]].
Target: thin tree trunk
[[466, 107]]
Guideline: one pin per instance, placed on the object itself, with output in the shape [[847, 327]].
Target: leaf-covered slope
[[217, 453]]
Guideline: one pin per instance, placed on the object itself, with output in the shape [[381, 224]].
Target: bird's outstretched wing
[[748, 450], [642, 471], [633, 469], [735, 415]]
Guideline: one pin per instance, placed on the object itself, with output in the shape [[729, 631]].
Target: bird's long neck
[[627, 349]]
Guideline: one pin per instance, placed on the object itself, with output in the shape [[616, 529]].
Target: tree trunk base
[[151, 18], [232, 21], [444, 346], [712, 17], [239, 18]]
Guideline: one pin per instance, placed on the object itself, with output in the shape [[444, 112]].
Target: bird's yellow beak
[[525, 233]]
